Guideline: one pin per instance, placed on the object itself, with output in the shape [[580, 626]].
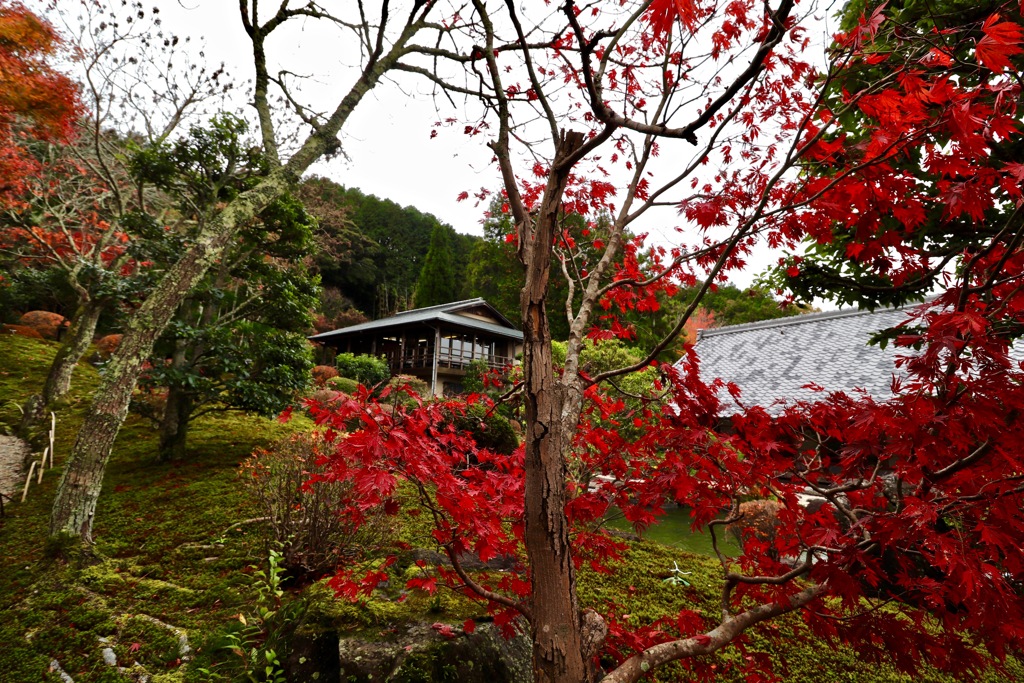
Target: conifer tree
[[437, 279]]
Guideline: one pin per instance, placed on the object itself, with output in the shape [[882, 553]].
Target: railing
[[456, 360], [418, 359]]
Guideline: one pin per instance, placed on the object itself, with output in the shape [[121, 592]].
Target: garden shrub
[[324, 396], [493, 432], [473, 382], [414, 383], [21, 330], [302, 518], [108, 344], [365, 369], [343, 384], [47, 324], [323, 373]]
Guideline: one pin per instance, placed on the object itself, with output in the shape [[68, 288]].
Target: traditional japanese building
[[435, 344]]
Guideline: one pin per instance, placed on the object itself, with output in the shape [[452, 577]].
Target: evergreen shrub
[[493, 432], [343, 384], [366, 369]]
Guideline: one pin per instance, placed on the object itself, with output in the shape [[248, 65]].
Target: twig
[[254, 520], [204, 546]]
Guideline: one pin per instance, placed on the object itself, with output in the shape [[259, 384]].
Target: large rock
[[416, 654]]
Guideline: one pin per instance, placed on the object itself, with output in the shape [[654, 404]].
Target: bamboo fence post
[[53, 433], [28, 480]]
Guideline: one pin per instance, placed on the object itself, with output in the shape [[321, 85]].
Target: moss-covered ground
[[165, 555]]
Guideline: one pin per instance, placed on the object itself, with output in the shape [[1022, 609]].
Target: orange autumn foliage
[[702, 319], [29, 86], [322, 373], [36, 100]]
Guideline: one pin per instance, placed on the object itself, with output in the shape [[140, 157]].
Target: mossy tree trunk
[[58, 381], [79, 488]]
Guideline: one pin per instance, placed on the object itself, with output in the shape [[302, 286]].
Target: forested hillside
[[372, 250]]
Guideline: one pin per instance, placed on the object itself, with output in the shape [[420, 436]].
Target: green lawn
[[674, 529]]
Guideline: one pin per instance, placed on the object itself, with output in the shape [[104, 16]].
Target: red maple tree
[[36, 100], [906, 182]]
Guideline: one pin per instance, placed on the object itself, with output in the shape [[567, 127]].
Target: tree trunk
[[177, 413], [557, 643], [75, 504], [58, 382], [174, 426], [76, 343]]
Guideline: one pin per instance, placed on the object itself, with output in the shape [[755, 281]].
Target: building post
[[437, 351]]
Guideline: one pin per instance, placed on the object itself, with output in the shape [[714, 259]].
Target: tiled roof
[[447, 313], [773, 359]]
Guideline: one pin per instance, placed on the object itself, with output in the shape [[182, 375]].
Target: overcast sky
[[387, 147]]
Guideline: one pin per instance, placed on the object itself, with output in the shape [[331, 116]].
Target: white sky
[[387, 146]]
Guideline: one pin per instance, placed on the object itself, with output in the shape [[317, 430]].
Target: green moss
[[150, 644], [24, 364], [172, 677], [148, 517]]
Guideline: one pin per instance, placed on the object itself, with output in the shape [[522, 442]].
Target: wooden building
[[435, 344]]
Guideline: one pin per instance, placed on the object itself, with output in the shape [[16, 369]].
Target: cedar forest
[[882, 165]]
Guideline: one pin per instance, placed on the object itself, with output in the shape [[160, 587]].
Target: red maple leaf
[[444, 629], [663, 13], [1001, 41]]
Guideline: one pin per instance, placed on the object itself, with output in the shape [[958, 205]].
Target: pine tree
[[437, 279]]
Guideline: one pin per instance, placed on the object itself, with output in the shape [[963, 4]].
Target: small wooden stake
[[42, 467], [53, 433], [28, 480]]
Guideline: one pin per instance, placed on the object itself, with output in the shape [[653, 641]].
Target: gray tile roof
[[447, 313], [773, 359]]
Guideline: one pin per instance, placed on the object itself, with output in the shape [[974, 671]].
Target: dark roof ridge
[[441, 307], [795, 320], [448, 312]]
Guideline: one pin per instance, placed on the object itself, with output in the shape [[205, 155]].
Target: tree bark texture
[[78, 491], [639, 665], [76, 342], [557, 644], [58, 382]]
